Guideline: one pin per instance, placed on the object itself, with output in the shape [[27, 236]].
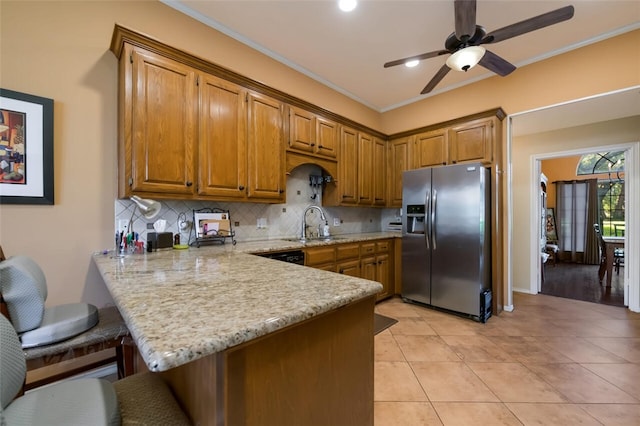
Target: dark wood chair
[[603, 252]]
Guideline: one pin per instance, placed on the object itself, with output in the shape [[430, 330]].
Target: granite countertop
[[181, 305]]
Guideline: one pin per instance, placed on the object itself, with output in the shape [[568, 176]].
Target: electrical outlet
[[336, 221]]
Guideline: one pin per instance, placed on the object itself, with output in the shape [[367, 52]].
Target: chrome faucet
[[303, 229]]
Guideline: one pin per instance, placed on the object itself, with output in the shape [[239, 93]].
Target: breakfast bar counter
[[243, 339]]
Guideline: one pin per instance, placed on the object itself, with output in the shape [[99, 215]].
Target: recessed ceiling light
[[347, 5], [411, 64]]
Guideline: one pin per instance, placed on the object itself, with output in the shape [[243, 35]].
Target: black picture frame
[[26, 149]]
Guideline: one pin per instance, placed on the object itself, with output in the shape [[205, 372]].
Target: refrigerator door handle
[[433, 219], [427, 227]]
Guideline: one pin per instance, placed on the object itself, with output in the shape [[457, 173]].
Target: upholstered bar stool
[[141, 399], [110, 333], [54, 334]]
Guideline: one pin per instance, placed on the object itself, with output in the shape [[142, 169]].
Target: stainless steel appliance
[[293, 256], [446, 238]]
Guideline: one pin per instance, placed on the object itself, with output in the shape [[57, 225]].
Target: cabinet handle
[[320, 146], [189, 183], [241, 188], [281, 191], [342, 271], [444, 163], [313, 144]]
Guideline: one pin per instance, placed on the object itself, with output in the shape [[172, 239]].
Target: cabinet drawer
[[367, 249], [317, 256], [347, 251], [382, 246]]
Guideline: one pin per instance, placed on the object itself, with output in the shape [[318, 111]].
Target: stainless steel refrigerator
[[446, 238]]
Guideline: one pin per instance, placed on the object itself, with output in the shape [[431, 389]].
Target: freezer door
[[460, 238], [416, 260]]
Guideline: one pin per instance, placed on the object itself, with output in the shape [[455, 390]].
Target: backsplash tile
[[283, 220]]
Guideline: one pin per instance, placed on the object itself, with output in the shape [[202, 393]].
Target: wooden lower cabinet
[[317, 372], [372, 260]]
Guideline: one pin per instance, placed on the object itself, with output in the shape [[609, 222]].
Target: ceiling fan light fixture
[[411, 64], [347, 5], [466, 58]]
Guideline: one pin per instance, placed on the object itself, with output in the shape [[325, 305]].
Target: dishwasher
[[291, 256]]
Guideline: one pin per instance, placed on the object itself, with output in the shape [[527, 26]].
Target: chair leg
[[602, 271]]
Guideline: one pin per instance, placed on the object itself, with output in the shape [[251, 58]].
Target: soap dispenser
[[325, 229]]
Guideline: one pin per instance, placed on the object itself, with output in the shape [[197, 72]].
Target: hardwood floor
[[580, 282]]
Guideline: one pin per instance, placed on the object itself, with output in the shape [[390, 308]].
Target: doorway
[[578, 193], [556, 131]]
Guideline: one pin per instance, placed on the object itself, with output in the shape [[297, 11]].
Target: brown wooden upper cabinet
[[472, 141], [398, 162], [431, 148], [160, 114], [187, 134], [222, 144], [312, 134], [362, 171]]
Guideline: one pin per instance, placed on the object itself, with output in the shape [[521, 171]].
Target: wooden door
[[302, 130], [365, 169], [348, 166], [379, 172], [265, 148], [472, 141], [398, 163], [350, 267], [163, 119], [383, 275], [430, 149], [327, 137], [222, 142]]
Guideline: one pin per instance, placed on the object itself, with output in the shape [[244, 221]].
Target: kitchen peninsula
[[243, 339]]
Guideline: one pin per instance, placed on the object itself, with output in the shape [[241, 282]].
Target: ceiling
[[346, 51]]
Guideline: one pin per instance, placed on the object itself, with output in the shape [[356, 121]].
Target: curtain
[[571, 202], [592, 245]]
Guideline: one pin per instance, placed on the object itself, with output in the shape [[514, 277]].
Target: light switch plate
[[336, 221]]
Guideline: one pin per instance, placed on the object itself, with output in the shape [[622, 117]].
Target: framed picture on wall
[[550, 225], [26, 148]]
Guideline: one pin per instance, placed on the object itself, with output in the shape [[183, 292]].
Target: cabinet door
[[302, 130], [365, 169], [265, 148], [222, 144], [383, 275], [398, 163], [430, 149], [351, 268], [368, 268], [472, 141], [379, 172], [327, 137], [163, 124], [348, 166]]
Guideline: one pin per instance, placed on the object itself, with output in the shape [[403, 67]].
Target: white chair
[[24, 289]]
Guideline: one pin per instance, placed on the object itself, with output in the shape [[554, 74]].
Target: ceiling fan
[[464, 45]]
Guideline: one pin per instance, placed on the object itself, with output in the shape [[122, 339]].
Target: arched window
[[610, 168], [601, 162]]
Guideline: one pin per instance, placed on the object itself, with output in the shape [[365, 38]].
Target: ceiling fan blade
[[495, 63], [436, 79], [528, 25], [416, 58], [465, 13]]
